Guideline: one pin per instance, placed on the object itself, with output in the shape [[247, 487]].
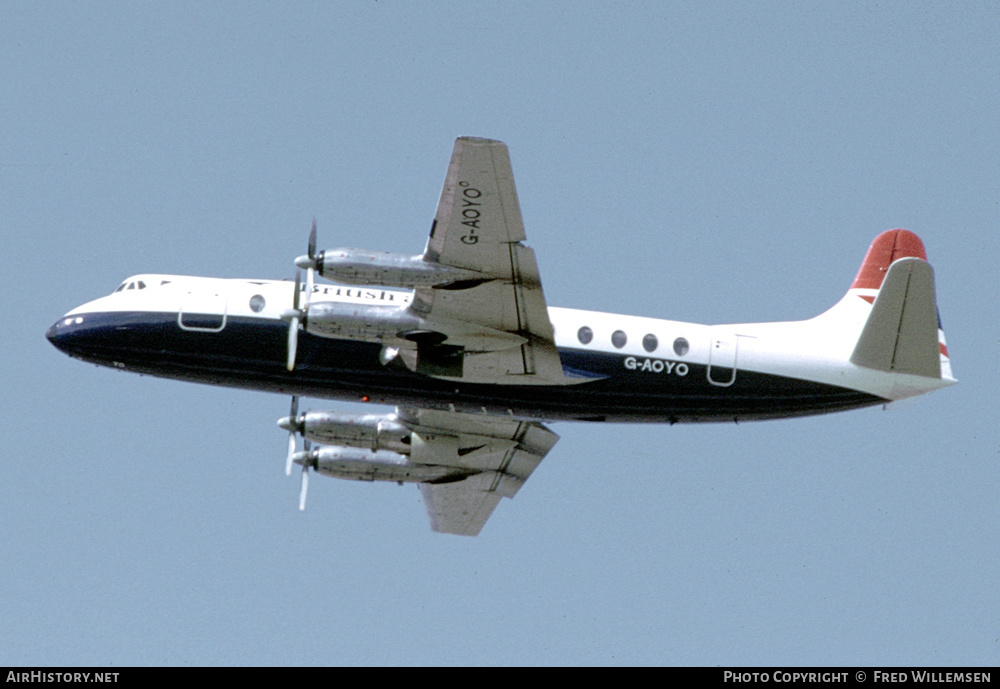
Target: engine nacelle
[[367, 431], [398, 325], [363, 267], [363, 465], [367, 322]]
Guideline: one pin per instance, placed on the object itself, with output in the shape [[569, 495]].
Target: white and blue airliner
[[461, 341]]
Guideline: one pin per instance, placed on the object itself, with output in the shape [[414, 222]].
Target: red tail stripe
[[887, 247]]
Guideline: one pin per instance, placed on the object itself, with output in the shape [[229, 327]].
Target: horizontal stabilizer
[[901, 334]]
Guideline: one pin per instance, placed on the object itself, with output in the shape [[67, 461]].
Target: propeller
[[296, 315], [293, 425]]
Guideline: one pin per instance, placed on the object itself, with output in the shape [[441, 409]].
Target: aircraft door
[[726, 351], [203, 310]]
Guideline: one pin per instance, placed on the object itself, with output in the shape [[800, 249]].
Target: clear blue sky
[[712, 162]]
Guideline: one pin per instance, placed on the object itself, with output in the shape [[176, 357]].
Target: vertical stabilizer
[[901, 333], [888, 321]]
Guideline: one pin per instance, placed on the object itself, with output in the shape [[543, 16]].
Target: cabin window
[[257, 303], [585, 335], [650, 343], [681, 346], [619, 338]]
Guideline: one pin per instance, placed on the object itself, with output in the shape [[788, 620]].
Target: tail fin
[[887, 248], [902, 333]]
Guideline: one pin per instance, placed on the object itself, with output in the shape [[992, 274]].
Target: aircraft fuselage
[[230, 333]]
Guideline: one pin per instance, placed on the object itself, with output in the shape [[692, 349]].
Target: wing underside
[[493, 455]]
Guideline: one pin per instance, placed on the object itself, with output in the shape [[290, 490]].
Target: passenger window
[[681, 346], [650, 343], [619, 338], [585, 335]]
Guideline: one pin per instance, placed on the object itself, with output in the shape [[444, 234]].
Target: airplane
[[461, 341]]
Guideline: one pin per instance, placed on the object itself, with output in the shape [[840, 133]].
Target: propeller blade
[[312, 241], [291, 452], [293, 428], [310, 275], [294, 317], [298, 288], [311, 259], [311, 271], [304, 487], [293, 341]]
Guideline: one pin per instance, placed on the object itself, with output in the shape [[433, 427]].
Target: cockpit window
[[133, 283]]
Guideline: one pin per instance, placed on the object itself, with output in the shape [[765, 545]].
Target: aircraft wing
[[497, 326], [492, 456]]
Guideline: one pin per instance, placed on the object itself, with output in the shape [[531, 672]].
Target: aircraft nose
[[57, 334], [68, 334]]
